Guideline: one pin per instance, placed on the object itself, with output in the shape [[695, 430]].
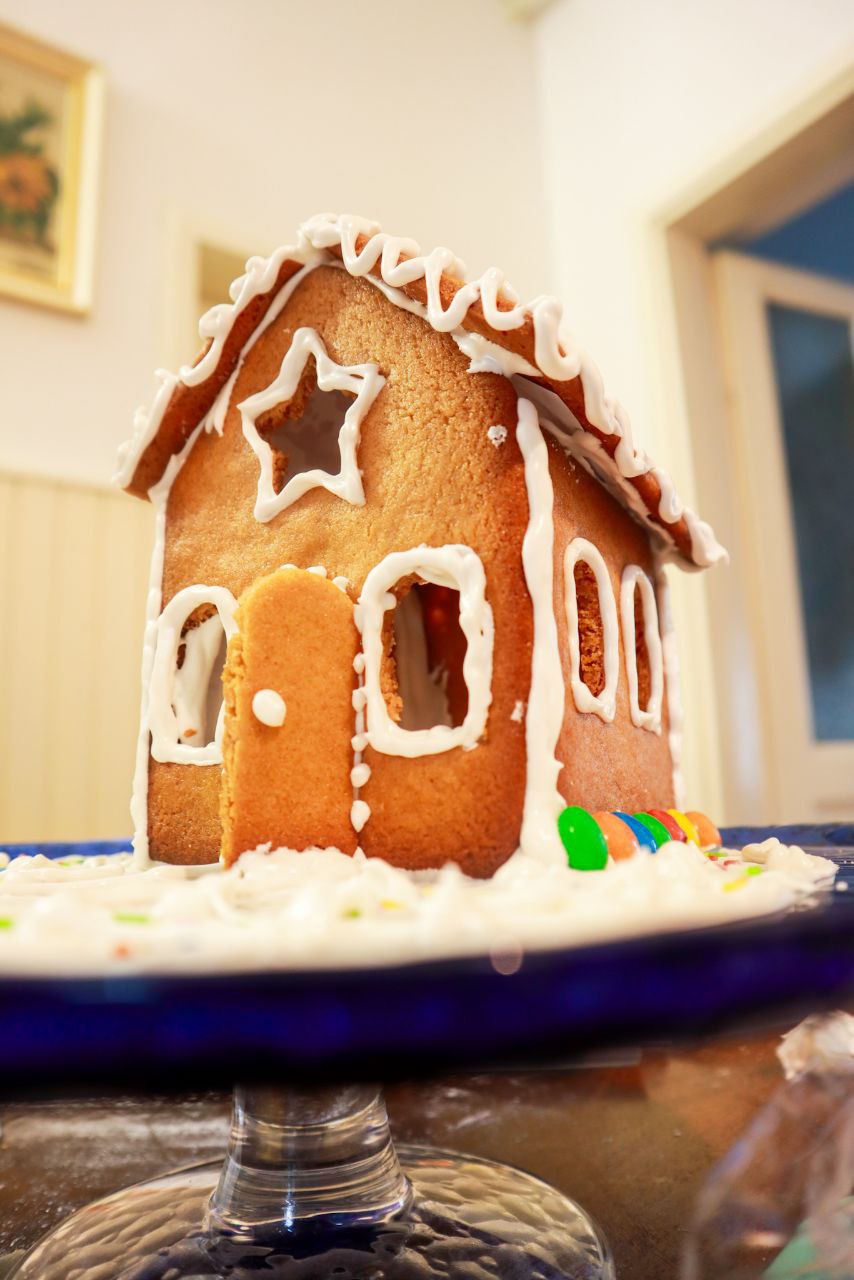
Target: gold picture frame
[[51, 116]]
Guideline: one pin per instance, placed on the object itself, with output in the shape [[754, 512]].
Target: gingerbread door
[[287, 750]]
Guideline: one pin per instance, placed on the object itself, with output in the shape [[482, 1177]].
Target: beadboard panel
[[73, 578]]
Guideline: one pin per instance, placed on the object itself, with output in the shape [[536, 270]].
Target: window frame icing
[[364, 381], [460, 568], [166, 747], [604, 704], [648, 718]]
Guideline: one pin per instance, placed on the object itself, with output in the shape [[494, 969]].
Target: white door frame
[[786, 164], [808, 779]]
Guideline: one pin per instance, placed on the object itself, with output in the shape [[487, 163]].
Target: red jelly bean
[[666, 820]]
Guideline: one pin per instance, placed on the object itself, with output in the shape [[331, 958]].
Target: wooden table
[[633, 1143]]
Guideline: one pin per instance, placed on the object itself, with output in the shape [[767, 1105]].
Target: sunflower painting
[[49, 133], [29, 183]]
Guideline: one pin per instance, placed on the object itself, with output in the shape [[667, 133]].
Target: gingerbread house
[[408, 588]]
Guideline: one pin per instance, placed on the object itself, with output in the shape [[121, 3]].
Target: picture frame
[[51, 118]]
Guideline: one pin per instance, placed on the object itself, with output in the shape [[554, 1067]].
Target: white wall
[[637, 102], [420, 113]]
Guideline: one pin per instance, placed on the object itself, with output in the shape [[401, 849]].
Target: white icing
[[603, 704], [543, 801], [360, 811], [670, 657], [518, 712], [166, 730], [557, 356], [452, 566], [268, 706], [648, 717], [497, 434], [359, 774], [363, 381], [320, 908], [318, 569], [146, 423], [342, 583]]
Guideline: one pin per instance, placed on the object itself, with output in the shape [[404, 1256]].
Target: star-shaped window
[[299, 429]]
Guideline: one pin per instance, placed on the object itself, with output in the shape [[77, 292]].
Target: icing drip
[[670, 656], [603, 704], [650, 716], [543, 801], [166, 730], [363, 381], [360, 810], [452, 566], [269, 708]]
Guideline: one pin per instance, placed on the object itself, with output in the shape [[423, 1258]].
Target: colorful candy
[[620, 838], [710, 837], [670, 824], [686, 824], [638, 830], [590, 839], [585, 845], [659, 833]]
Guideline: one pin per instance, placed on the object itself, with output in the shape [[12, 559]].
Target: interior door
[[788, 353], [289, 721]]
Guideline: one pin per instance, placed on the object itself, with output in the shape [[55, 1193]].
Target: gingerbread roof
[[524, 340]]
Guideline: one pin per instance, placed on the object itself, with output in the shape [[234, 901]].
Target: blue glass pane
[[815, 382]]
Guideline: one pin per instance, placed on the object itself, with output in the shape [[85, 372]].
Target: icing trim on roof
[[484, 317]]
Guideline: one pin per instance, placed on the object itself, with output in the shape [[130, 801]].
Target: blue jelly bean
[[644, 836]]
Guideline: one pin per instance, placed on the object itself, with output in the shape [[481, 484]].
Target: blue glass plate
[[207, 1031]]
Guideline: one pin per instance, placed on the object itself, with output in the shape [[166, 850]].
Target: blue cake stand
[[311, 1184]]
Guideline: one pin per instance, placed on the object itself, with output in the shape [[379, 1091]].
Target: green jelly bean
[[656, 829], [586, 847]]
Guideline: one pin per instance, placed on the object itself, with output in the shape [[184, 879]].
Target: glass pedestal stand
[[312, 1186]]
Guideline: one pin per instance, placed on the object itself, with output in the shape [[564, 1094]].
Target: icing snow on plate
[[322, 909]]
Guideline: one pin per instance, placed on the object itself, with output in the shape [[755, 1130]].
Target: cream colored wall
[[637, 102], [73, 574], [250, 117], [234, 122]]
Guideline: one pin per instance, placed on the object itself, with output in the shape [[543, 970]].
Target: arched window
[[592, 632], [642, 648], [185, 713], [450, 707]]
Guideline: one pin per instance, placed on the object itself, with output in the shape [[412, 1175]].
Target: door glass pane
[[815, 382]]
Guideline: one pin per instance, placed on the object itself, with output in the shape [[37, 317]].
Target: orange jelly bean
[[710, 837], [620, 839]]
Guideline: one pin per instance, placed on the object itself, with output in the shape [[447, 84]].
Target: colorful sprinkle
[[621, 840], [709, 835], [352, 913], [641, 833], [670, 825], [656, 829], [586, 847], [6, 923], [131, 917], [686, 824]]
